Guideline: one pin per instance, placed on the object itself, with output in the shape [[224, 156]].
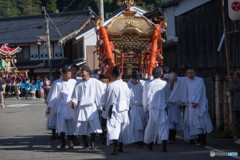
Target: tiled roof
[[25, 29]]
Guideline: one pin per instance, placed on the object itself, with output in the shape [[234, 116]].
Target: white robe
[[118, 126], [88, 97], [136, 114], [61, 103], [175, 114], [52, 118], [154, 101], [196, 120]]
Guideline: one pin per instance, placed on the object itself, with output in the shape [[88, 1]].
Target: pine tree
[[51, 6]]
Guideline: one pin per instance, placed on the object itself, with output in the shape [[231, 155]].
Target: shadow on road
[[38, 143]]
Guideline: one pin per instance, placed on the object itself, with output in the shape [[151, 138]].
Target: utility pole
[[101, 10], [48, 46], [228, 71]]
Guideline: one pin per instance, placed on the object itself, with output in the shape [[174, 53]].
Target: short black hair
[[237, 73], [188, 66], [75, 66], [157, 71], [65, 69], [86, 68], [135, 74], [115, 72]]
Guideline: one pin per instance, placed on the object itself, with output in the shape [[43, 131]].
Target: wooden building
[[28, 32]]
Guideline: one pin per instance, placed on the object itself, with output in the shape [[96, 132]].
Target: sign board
[[234, 9]]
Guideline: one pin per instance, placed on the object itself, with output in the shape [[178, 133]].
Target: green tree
[[51, 6], [34, 7], [9, 9]]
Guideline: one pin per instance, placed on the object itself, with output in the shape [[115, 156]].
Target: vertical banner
[[234, 9]]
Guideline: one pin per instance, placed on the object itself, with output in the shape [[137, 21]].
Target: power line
[[68, 6]]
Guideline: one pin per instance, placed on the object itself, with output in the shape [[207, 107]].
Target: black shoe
[[205, 141], [174, 135], [63, 146], [121, 147], [164, 146], [202, 141], [85, 142], [192, 141], [150, 146], [139, 145], [62, 135], [93, 135]]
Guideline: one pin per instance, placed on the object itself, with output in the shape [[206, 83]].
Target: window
[[24, 54]]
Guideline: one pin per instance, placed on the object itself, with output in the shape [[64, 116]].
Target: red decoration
[[236, 6]]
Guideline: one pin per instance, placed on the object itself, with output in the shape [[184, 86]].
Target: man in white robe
[[52, 119], [61, 101], [175, 111], [136, 112], [86, 99], [197, 121], [154, 102], [116, 112], [74, 73]]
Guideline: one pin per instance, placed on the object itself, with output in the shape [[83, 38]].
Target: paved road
[[24, 135]]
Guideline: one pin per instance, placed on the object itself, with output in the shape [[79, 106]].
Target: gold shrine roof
[[130, 24]]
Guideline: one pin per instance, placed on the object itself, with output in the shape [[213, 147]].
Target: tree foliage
[[10, 8], [31, 7]]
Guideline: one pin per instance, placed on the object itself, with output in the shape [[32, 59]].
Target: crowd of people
[[142, 112], [17, 85]]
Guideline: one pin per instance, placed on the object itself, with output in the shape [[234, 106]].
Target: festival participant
[[13, 84], [27, 88], [46, 87], [40, 88], [74, 73], [86, 99], [197, 121], [2, 99], [117, 100], [8, 80], [154, 102], [234, 84], [174, 110], [33, 89], [52, 120], [61, 101], [38, 95], [136, 111]]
